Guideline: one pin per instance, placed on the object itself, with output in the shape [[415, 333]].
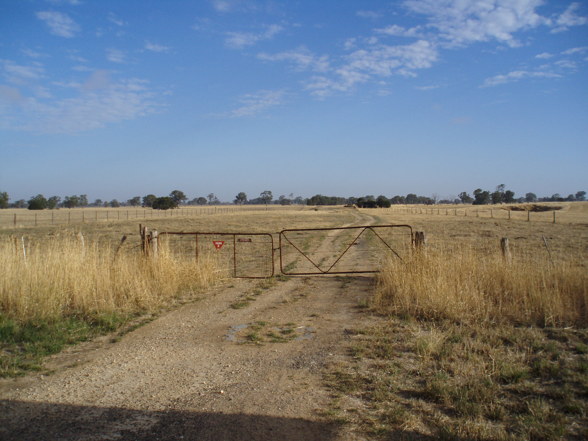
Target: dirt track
[[197, 374]]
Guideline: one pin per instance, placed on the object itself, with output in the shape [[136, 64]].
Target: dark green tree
[[411, 198], [71, 201], [134, 202], [266, 196], [509, 197], [481, 197], [498, 195], [240, 199], [530, 197], [114, 203], [201, 201], [178, 196], [21, 203], [581, 196], [83, 201], [148, 200], [164, 203], [4, 199], [383, 202], [283, 200], [465, 198], [53, 202], [37, 203]]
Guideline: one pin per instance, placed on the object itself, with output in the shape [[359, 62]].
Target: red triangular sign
[[218, 244]]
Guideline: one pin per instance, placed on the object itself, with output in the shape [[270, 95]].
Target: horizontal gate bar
[[363, 228]]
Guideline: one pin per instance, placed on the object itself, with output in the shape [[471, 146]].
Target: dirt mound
[[533, 207]]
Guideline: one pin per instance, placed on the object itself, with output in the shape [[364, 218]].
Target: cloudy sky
[[115, 99]]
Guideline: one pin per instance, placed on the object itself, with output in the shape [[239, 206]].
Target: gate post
[[154, 243], [505, 248]]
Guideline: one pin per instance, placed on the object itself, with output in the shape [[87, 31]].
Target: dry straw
[[66, 276], [466, 286]]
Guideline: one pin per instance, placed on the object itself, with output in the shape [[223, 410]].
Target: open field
[[455, 342], [23, 218], [473, 346]]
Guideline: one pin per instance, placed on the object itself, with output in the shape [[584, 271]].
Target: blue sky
[[115, 99]]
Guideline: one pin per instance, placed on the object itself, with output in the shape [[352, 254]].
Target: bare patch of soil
[[182, 376]]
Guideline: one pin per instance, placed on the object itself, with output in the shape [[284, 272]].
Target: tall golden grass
[[467, 286], [65, 276]]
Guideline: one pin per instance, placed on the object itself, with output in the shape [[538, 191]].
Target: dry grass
[[467, 286], [61, 276], [64, 277], [464, 346]]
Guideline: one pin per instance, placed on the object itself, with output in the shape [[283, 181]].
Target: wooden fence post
[[420, 240], [24, 248], [553, 216], [122, 241], [505, 248], [154, 243], [528, 215], [81, 237]]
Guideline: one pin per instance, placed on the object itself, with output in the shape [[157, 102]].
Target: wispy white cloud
[[100, 79], [544, 56], [569, 18], [223, 5], [33, 54], [256, 103], [115, 56], [566, 64], [425, 88], [384, 60], [369, 14], [153, 47], [302, 59], [575, 50], [377, 62], [98, 101], [10, 95], [517, 75], [226, 6], [202, 24], [67, 2], [20, 74], [112, 17], [59, 23], [461, 120], [399, 31], [459, 22], [238, 40]]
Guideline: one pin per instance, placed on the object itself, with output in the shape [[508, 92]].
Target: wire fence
[[488, 213], [19, 218]]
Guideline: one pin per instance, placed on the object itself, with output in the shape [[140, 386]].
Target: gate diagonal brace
[[329, 270]]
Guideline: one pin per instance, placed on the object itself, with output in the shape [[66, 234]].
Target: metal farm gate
[[242, 255], [309, 251], [344, 250]]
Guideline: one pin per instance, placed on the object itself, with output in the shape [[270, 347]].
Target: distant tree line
[[500, 195]]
